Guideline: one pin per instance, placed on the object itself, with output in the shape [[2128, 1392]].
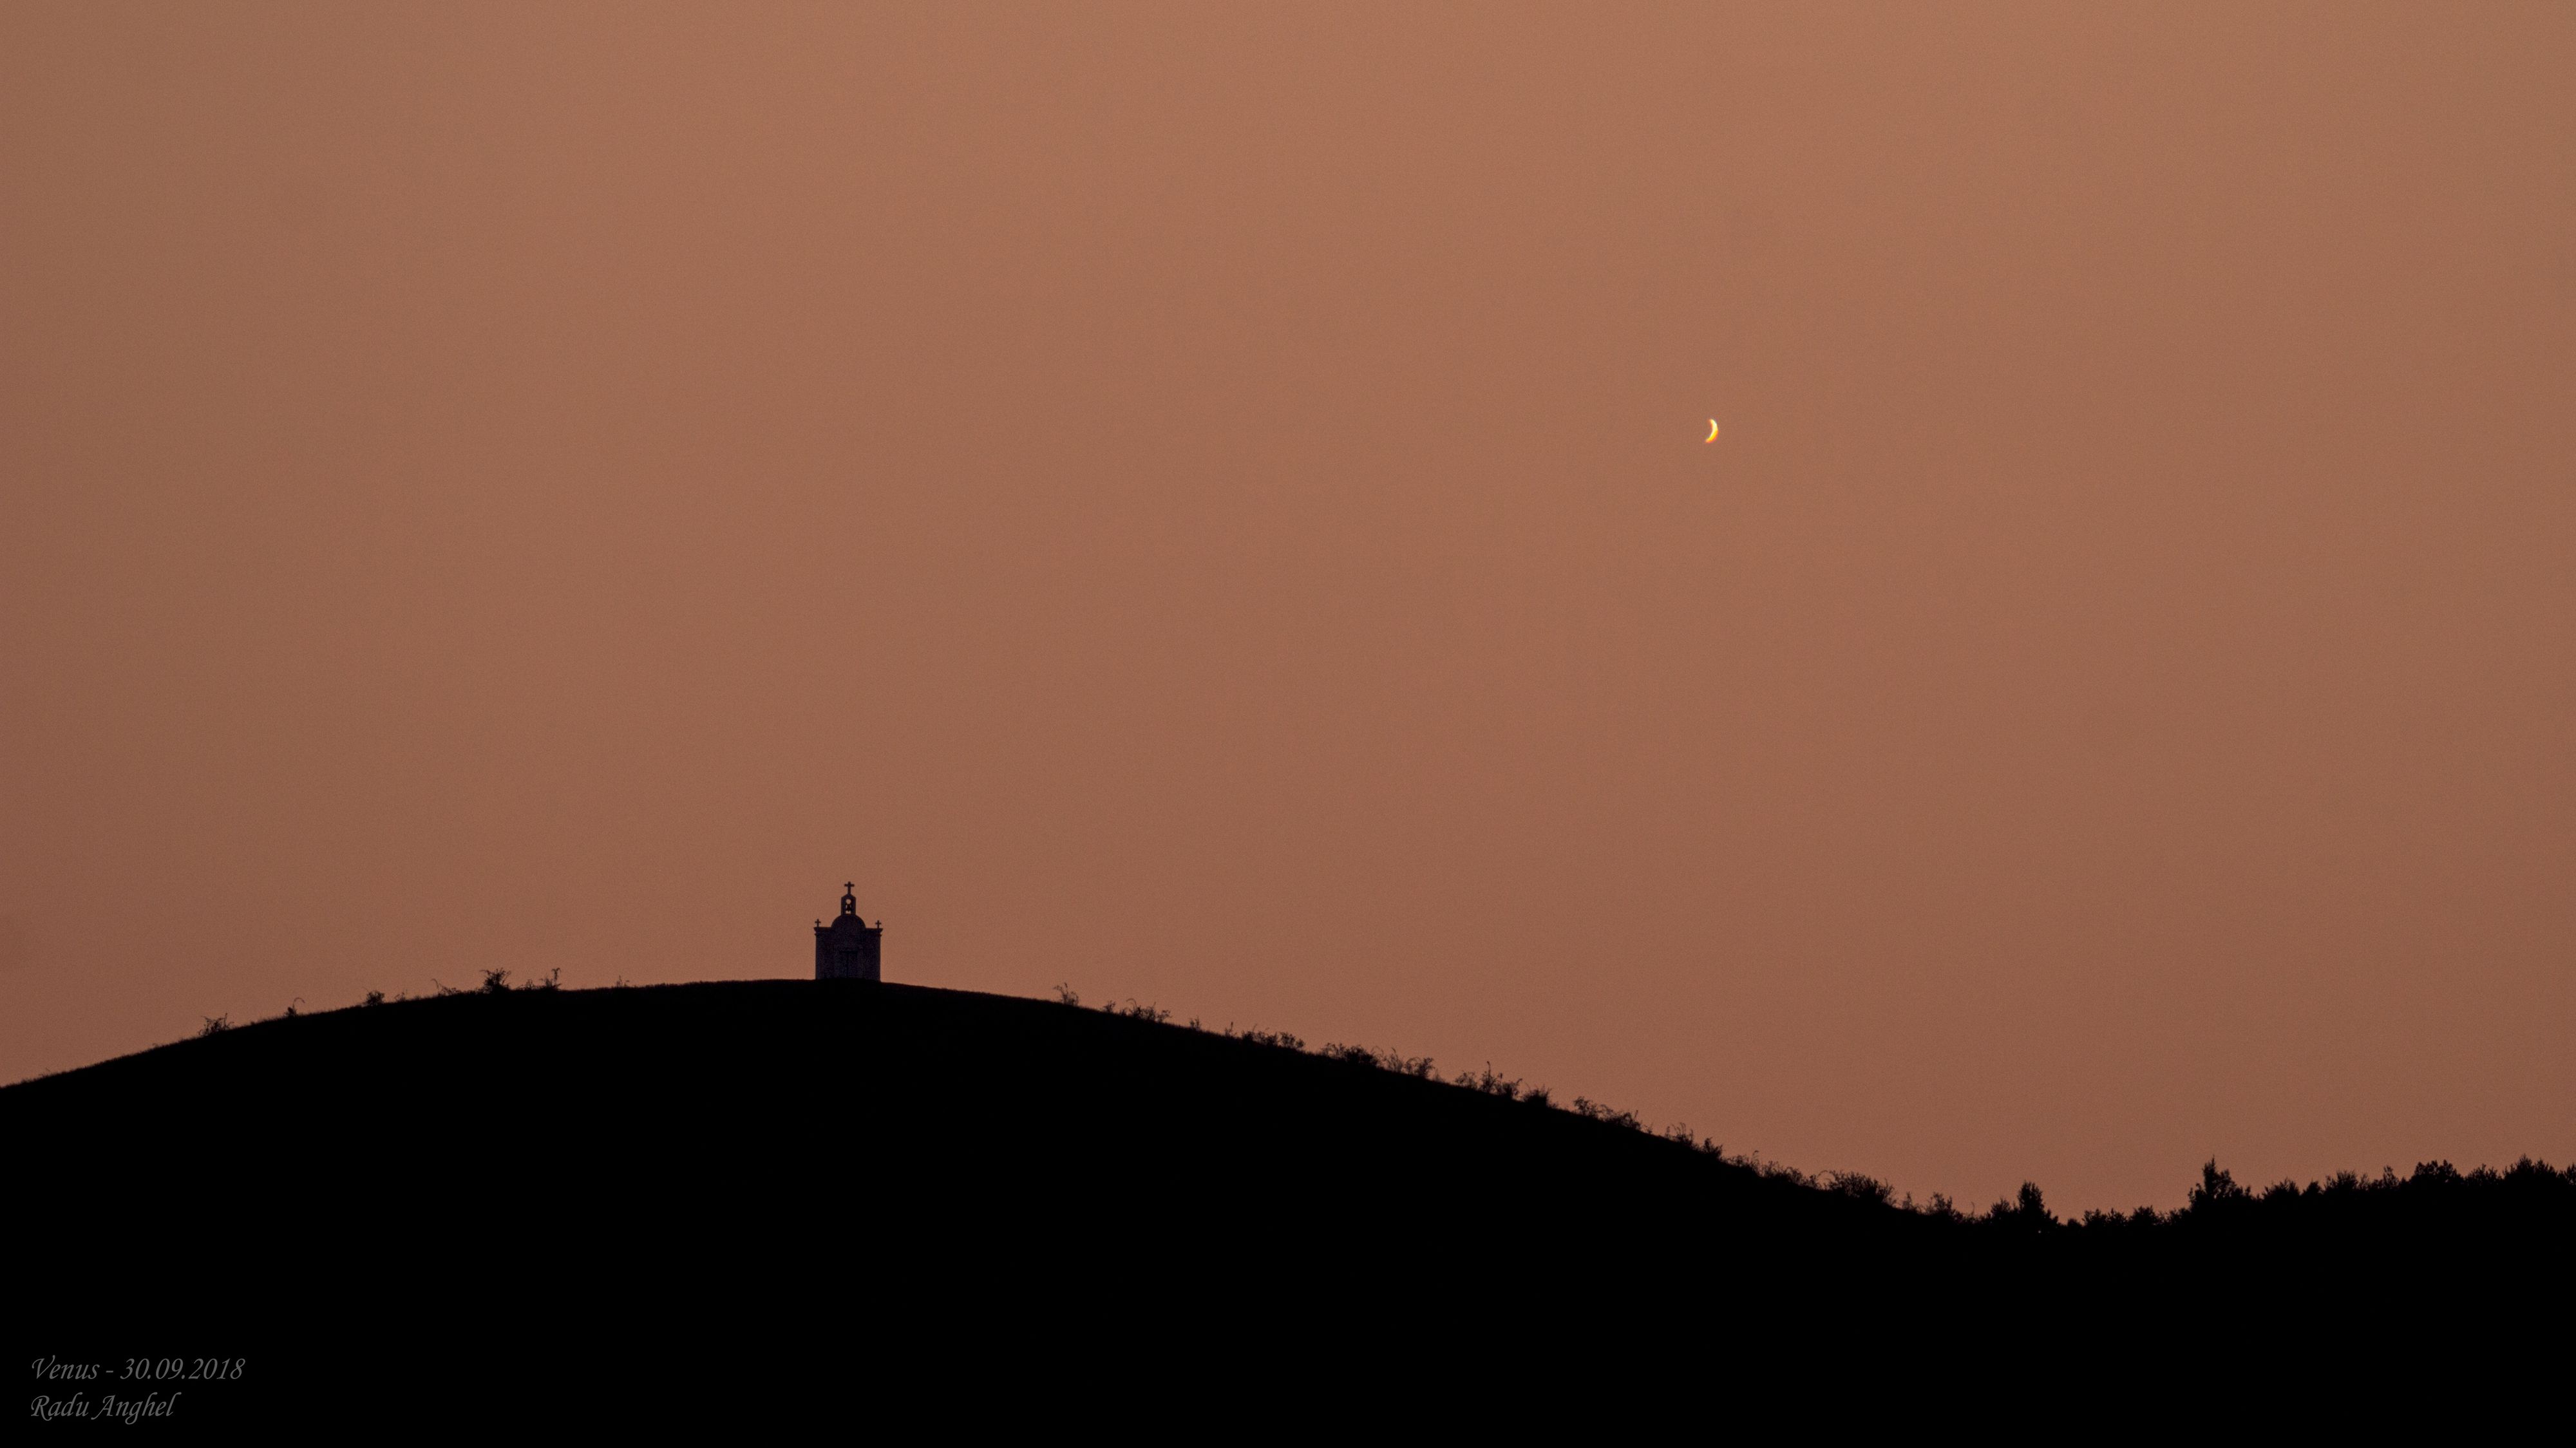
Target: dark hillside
[[925, 1137], [842, 1110], [754, 1159]]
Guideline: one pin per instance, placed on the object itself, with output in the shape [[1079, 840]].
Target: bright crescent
[[1712, 429]]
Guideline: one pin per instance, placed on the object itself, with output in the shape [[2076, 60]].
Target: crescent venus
[[1712, 430]]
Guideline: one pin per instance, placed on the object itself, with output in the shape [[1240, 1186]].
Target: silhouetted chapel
[[846, 949]]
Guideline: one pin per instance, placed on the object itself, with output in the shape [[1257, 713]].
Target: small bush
[[2026, 1211], [551, 980], [1064, 995], [495, 982], [214, 1024], [1775, 1171], [374, 998], [2217, 1188], [1859, 1187], [1586, 1107]]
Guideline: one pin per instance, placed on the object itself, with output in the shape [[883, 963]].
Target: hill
[[740, 1162], [842, 1111]]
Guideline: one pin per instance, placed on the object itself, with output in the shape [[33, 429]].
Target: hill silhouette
[[803, 1165], [835, 1110]]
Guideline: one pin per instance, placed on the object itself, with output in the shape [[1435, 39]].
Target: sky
[[1206, 505]]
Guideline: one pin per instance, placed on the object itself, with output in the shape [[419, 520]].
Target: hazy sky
[[1206, 504]]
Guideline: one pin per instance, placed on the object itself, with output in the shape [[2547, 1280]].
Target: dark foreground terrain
[[825, 1177]]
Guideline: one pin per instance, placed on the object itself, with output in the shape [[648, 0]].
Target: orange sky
[[1207, 504]]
